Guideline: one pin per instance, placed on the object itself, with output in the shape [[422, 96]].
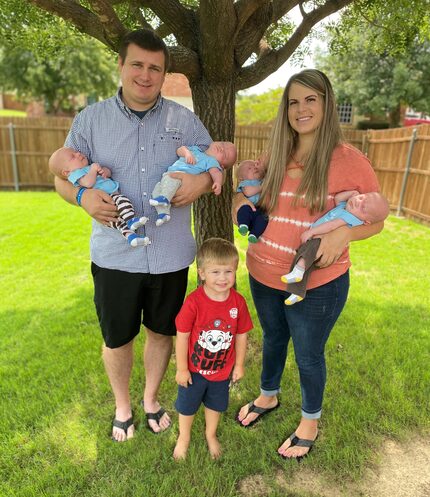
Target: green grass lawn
[[13, 113], [57, 405]]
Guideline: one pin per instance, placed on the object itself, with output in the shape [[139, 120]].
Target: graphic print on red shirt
[[213, 327]]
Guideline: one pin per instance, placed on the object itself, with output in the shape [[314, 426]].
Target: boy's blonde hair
[[218, 251]]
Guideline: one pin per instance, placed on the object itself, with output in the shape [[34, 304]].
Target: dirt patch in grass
[[403, 471]]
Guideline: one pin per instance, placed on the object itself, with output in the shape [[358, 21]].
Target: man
[[136, 134]]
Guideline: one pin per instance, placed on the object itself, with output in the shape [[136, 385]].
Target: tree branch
[[281, 7], [163, 31], [135, 9], [245, 9], [82, 18], [177, 19], [272, 60], [249, 38], [185, 61], [112, 26]]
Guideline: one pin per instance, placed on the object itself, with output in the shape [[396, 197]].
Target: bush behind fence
[[400, 157]]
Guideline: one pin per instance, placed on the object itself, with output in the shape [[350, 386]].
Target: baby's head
[[65, 160], [224, 152], [369, 207], [250, 169]]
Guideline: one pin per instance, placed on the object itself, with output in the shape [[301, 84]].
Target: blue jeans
[[309, 324]]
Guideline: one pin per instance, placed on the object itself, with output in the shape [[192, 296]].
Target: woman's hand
[[239, 199], [332, 245]]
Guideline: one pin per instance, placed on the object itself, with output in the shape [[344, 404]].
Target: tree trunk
[[394, 117], [215, 106]]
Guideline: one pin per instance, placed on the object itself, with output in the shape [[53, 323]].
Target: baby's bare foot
[[214, 447], [181, 449]]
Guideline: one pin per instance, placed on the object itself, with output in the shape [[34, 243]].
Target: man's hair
[[217, 251], [146, 39]]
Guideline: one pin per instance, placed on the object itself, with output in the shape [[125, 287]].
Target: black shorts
[[125, 300]]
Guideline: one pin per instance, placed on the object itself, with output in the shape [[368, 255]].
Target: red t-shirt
[[213, 327]]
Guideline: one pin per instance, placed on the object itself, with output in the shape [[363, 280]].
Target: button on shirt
[[138, 152]]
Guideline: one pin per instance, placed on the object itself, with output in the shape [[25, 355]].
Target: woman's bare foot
[[308, 430], [181, 448], [213, 446], [245, 417]]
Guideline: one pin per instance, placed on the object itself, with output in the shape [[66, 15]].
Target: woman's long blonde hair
[[283, 143]]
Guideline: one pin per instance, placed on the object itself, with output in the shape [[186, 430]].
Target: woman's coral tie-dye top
[[272, 256]]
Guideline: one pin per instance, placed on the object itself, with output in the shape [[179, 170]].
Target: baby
[[70, 164], [352, 208], [192, 160], [249, 175]]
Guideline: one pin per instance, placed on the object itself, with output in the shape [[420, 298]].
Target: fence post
[[365, 142], [408, 166], [13, 155]]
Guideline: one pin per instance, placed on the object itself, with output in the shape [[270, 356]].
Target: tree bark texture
[[214, 104]]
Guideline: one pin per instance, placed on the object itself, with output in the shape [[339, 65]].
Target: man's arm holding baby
[[192, 187], [97, 203]]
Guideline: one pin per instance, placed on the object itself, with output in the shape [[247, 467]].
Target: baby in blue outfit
[[250, 174], [192, 160], [70, 164], [352, 209]]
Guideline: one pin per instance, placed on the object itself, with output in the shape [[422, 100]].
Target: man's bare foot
[[157, 418], [213, 446], [125, 430], [308, 430], [181, 448], [246, 418]]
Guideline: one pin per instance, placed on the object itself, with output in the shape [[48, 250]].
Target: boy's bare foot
[[181, 449], [214, 447]]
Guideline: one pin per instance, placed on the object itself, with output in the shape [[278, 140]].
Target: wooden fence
[[25, 147], [401, 157]]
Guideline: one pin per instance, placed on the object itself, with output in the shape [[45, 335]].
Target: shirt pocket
[[165, 146]]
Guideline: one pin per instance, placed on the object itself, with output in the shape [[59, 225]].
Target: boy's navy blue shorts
[[124, 301], [213, 395]]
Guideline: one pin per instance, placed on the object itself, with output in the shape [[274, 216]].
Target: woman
[[307, 165]]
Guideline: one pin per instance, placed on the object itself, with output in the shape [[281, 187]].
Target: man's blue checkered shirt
[[138, 152]]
